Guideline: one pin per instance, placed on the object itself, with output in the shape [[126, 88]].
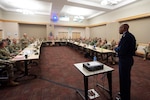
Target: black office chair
[[3, 72], [4, 76]]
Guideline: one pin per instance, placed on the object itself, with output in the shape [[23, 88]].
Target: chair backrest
[[3, 71]]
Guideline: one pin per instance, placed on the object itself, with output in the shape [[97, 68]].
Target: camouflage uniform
[[147, 51], [24, 42], [14, 48], [113, 44], [6, 63], [4, 54]]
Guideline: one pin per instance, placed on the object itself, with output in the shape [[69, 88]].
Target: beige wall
[[112, 31], [0, 13], [25, 18], [140, 28], [1, 25], [70, 30], [1, 30], [87, 32], [10, 29], [37, 31], [108, 31], [99, 32]]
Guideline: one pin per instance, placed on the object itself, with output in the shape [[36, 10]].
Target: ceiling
[[64, 8]]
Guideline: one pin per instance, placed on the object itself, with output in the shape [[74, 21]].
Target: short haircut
[[3, 40], [1, 43], [126, 26]]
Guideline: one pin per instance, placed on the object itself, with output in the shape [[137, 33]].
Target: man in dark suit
[[126, 50]]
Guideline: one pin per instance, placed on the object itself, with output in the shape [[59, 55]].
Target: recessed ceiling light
[[64, 18], [78, 11], [25, 11]]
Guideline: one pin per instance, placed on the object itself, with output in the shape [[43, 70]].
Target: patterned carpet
[[58, 79]]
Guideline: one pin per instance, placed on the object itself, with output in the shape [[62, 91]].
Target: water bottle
[[94, 58], [94, 47]]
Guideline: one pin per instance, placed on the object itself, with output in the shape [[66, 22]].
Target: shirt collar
[[124, 34]]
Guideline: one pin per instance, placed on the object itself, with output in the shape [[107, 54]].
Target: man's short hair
[[3, 40], [1, 43], [126, 26]]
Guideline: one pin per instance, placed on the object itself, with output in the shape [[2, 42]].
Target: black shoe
[[13, 83]]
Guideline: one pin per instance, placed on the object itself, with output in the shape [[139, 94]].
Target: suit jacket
[[127, 45]]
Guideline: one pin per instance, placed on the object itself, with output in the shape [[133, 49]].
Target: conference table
[[54, 42], [106, 69], [103, 53], [32, 52]]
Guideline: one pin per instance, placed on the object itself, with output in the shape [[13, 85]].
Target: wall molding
[[134, 17], [96, 25]]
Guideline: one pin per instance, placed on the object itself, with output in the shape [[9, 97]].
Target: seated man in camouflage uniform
[[24, 41], [15, 47], [4, 59], [4, 51], [147, 51], [113, 44], [8, 47], [9, 50]]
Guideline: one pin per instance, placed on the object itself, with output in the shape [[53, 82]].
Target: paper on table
[[18, 57]]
